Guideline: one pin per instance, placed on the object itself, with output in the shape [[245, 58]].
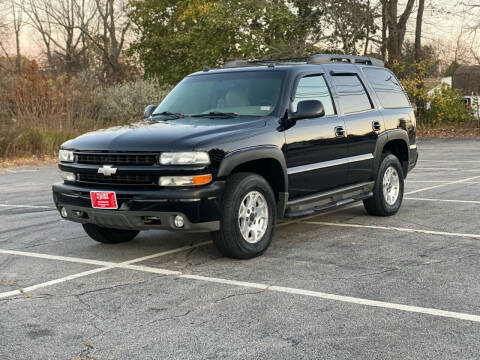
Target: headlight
[[184, 158], [65, 156]]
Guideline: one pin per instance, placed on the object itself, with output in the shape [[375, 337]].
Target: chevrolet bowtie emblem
[[107, 170]]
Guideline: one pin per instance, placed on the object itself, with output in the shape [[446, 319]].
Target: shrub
[[127, 100], [39, 111], [18, 142], [446, 106]]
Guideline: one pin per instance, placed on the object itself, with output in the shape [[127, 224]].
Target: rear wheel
[[248, 217], [388, 189], [107, 235]]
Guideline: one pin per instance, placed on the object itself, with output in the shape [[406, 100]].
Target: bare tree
[[4, 30], [110, 35], [396, 26], [58, 23], [418, 30], [383, 46], [17, 18], [39, 21]]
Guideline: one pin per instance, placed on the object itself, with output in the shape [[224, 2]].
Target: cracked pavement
[[128, 314]]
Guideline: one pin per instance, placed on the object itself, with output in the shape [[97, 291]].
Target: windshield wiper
[[216, 114], [170, 115]]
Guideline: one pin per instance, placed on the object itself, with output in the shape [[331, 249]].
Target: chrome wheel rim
[[391, 185], [253, 217]]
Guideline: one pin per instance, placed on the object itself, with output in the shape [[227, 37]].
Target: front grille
[[115, 179], [116, 159]]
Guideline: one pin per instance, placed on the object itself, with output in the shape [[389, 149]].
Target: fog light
[[179, 221], [65, 175], [63, 212]]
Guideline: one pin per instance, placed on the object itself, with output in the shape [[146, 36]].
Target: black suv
[[229, 151]]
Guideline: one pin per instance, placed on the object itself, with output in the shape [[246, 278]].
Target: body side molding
[[324, 164]]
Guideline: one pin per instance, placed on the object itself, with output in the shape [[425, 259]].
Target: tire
[[384, 203], [253, 190], [107, 235]]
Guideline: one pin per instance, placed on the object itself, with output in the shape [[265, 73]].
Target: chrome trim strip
[[414, 146], [324, 164]]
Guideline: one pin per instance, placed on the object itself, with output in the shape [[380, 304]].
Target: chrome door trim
[[324, 164]]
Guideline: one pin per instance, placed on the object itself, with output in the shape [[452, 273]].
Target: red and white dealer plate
[[103, 199]]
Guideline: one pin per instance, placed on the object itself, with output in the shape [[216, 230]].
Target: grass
[[26, 142]]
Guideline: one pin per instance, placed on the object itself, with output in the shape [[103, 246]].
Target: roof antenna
[[206, 68]]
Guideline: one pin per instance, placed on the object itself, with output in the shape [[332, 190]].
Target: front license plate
[[104, 199]]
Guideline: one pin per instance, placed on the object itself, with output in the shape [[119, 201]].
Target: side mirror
[[308, 109], [149, 111]]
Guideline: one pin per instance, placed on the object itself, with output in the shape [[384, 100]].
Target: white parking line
[[439, 181], [450, 161], [108, 266], [265, 287], [434, 168], [52, 282], [441, 185], [433, 232], [58, 258], [27, 206], [445, 200]]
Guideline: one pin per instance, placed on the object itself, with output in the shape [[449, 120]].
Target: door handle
[[339, 131], [376, 126]]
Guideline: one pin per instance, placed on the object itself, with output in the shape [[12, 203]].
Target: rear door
[[362, 121], [316, 148]]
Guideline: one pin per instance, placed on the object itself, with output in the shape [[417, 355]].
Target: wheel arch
[[394, 141], [267, 161]]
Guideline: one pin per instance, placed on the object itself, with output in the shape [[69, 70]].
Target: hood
[[173, 135]]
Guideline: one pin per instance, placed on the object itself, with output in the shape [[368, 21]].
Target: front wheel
[[107, 235], [248, 217], [388, 189]]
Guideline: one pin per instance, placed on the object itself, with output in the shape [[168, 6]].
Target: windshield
[[250, 93]]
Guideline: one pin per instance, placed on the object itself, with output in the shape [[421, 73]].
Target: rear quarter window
[[352, 94], [388, 88]]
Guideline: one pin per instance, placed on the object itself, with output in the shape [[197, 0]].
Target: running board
[[330, 199]]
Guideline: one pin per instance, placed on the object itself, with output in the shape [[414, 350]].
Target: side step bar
[[330, 199]]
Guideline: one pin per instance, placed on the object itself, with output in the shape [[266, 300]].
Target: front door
[[316, 149]]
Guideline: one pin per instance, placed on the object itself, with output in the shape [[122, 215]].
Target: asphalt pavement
[[337, 285]]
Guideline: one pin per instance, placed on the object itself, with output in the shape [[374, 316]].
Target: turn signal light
[[202, 179]]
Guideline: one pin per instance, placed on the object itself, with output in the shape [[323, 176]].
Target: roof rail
[[326, 58], [242, 63]]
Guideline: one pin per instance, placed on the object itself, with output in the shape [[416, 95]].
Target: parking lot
[[337, 285]]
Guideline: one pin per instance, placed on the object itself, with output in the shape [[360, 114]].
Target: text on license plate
[[103, 199]]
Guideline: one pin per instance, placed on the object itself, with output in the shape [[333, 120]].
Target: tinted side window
[[388, 88], [352, 94], [314, 88]]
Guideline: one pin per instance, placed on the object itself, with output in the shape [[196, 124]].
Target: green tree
[[452, 68], [175, 38], [352, 21]]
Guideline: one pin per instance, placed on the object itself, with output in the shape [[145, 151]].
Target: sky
[[444, 20]]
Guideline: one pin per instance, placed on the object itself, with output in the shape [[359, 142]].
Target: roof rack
[[326, 58], [243, 63], [314, 59]]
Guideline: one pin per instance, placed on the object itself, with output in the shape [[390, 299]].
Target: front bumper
[[145, 209]]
